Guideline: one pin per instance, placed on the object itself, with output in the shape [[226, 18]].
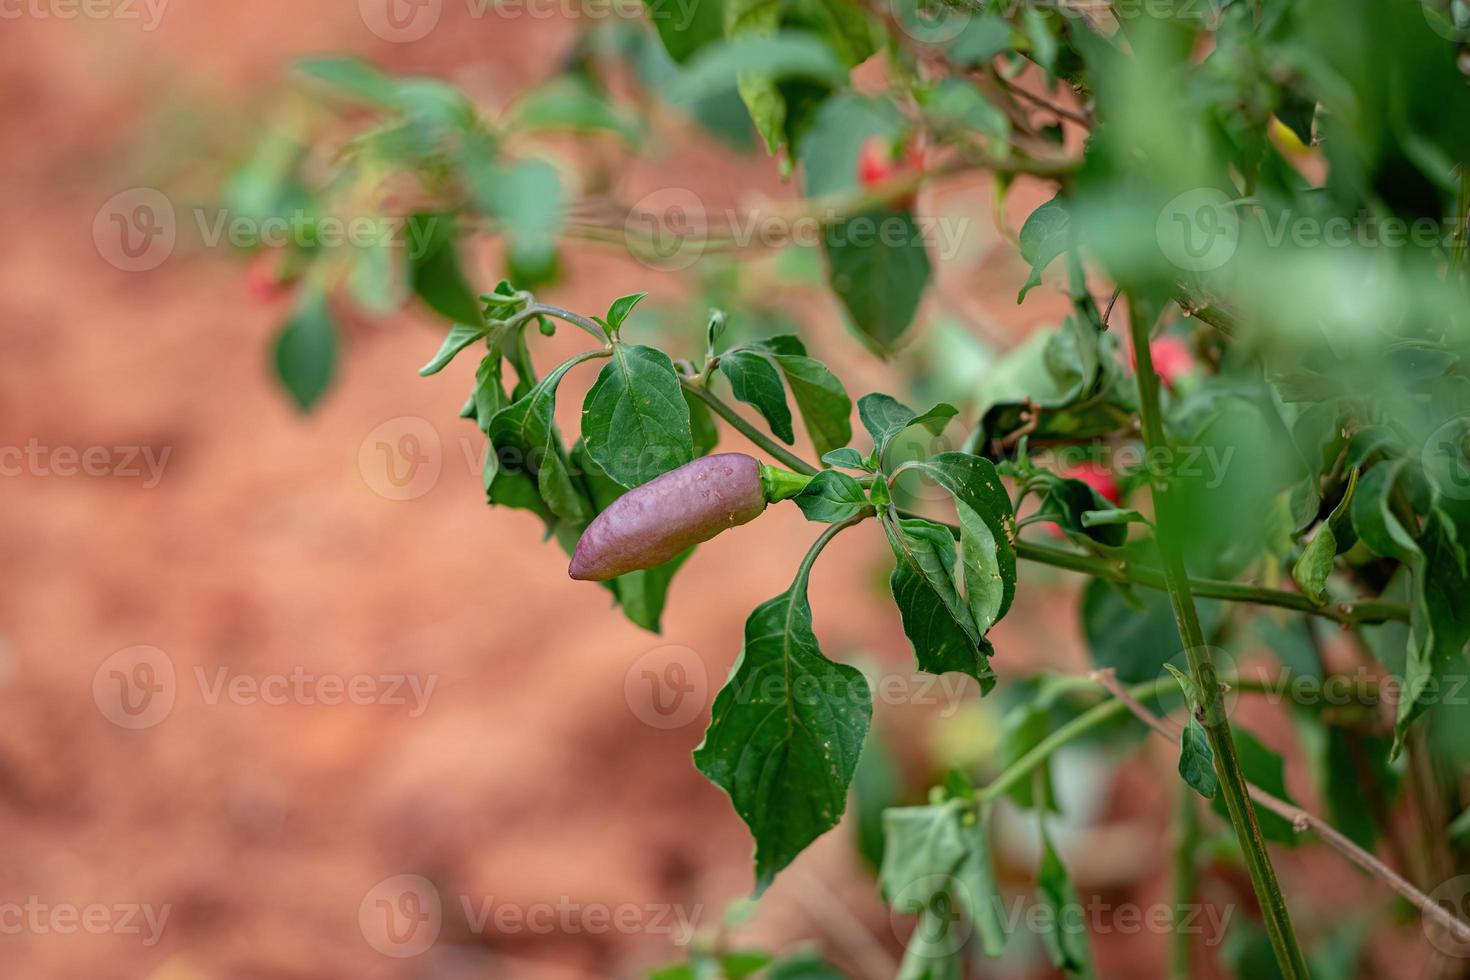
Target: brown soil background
[[264, 549]]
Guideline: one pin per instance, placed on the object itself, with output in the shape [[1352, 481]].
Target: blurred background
[[284, 699]]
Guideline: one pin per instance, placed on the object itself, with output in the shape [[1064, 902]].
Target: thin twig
[[1301, 820]]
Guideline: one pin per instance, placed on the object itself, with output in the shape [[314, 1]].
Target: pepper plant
[[1253, 419]]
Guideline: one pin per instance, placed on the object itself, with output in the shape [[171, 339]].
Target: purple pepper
[[653, 523]]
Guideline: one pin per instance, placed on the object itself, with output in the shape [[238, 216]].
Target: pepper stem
[[780, 484]]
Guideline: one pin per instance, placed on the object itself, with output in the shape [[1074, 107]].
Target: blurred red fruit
[[262, 282], [1172, 359], [876, 165]]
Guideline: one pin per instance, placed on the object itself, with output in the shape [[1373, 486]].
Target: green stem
[[1186, 843], [780, 484], [575, 319], [1211, 709], [724, 411], [1346, 613]]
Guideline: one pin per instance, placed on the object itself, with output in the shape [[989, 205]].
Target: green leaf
[[460, 337], [571, 105], [1135, 634], [352, 78], [820, 398], [923, 847], [635, 420], [1068, 501], [702, 427], [986, 527], [936, 619], [879, 267], [785, 732], [435, 271], [753, 58], [621, 309], [1066, 930], [305, 353], [1021, 729], [526, 200], [885, 417], [934, 856], [802, 966], [1197, 760], [1315, 564], [686, 29], [1265, 769], [1044, 236], [847, 458], [983, 38], [1113, 515], [831, 497], [756, 382], [529, 426]]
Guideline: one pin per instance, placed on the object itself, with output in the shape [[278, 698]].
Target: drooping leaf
[[305, 353], [878, 265], [785, 732], [635, 420], [1315, 564], [685, 29], [821, 400], [831, 497], [1197, 760], [435, 271], [1043, 237], [987, 525], [526, 199], [1066, 928], [755, 381], [1135, 634], [528, 425], [936, 618], [460, 337]]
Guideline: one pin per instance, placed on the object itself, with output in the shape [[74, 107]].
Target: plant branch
[[1210, 710], [1301, 820], [726, 412], [1352, 613], [1347, 613]]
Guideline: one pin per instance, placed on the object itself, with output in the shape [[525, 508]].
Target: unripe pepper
[[653, 523]]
